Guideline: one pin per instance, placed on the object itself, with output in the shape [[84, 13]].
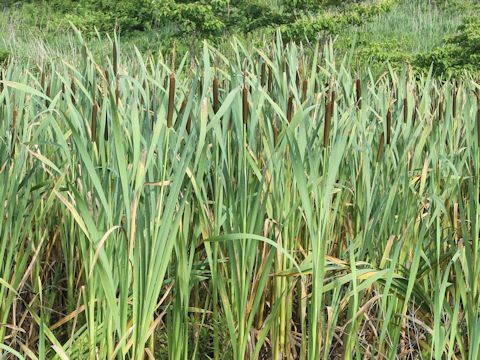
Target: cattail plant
[[270, 80], [290, 109], [380, 147], [304, 89], [73, 89], [278, 247], [47, 93], [115, 57], [183, 106], [358, 91], [389, 125], [189, 123], [94, 121], [42, 79], [216, 102], [332, 102], [263, 73], [105, 132], [245, 104]]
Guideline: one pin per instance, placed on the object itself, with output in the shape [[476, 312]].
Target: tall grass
[[218, 208]]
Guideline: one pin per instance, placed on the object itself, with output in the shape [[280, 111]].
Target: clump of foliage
[[370, 52], [87, 15], [459, 52], [253, 15], [4, 55], [201, 18], [311, 27]]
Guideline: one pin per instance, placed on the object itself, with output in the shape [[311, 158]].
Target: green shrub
[[459, 52], [327, 23]]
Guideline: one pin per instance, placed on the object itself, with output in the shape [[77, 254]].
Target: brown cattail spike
[[389, 126], [73, 87], [358, 90], [263, 74], [270, 80], [42, 79], [115, 58], [216, 102], [245, 104], [171, 101], [183, 107], [304, 89], [47, 93], [405, 110], [105, 133], [328, 119], [440, 109], [94, 122], [380, 147], [290, 109]]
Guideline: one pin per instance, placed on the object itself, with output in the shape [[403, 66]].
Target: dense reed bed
[[268, 205]]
